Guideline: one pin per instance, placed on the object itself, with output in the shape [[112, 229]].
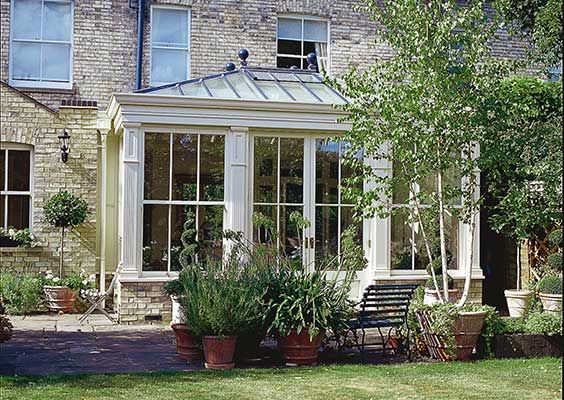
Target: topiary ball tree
[[65, 210]]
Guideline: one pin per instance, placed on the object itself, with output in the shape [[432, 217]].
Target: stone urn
[[518, 302], [178, 316], [551, 303], [431, 297], [59, 298]]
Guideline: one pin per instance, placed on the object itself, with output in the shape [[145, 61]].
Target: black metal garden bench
[[382, 307]]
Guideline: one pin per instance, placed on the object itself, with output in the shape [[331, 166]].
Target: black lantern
[[64, 141]]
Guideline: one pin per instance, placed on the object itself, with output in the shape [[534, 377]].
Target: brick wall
[[105, 40], [24, 121], [141, 302]]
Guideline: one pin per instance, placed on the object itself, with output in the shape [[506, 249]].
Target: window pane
[[290, 235], [157, 156], [287, 62], [210, 230], [265, 169], [2, 205], [194, 89], [18, 170], [2, 172], [18, 211], [289, 28], [326, 172], [26, 59], [168, 65], [170, 27], [263, 234], [291, 170], [401, 246], [27, 19], [243, 88], [180, 216], [155, 237], [57, 21], [184, 166], [219, 88], [56, 62], [212, 161], [326, 232], [299, 92], [347, 219], [350, 171], [290, 47], [315, 31], [272, 91]]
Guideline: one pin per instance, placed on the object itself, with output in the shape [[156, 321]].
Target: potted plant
[[64, 211], [219, 304], [550, 293], [62, 294], [173, 289], [431, 295]]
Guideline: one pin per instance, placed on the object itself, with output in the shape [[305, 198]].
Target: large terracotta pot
[[467, 330], [178, 316], [300, 349], [431, 297], [219, 351], [517, 302], [187, 346], [59, 298], [551, 303]]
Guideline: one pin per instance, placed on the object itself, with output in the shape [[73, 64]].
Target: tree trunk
[[61, 254], [468, 276], [442, 232]]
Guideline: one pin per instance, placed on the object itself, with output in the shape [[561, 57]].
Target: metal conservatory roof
[[262, 84]]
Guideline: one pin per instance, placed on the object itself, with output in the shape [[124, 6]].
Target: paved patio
[[58, 344]]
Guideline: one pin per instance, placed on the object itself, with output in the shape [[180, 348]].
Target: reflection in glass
[[184, 167], [291, 170], [179, 217], [263, 234], [18, 211], [401, 245], [155, 237], [290, 235], [212, 162], [351, 170], [157, 165], [326, 232], [210, 229], [2, 171], [326, 172], [266, 169]]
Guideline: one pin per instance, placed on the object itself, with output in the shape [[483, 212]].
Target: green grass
[[494, 379]]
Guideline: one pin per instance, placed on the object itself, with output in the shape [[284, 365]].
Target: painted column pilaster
[[132, 204], [237, 196]]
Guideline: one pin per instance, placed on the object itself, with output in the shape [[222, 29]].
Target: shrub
[[429, 284], [22, 292], [78, 281], [544, 323], [555, 238], [173, 287], [551, 284], [5, 325], [22, 237], [554, 261]]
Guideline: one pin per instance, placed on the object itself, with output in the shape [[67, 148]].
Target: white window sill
[[40, 85], [455, 274]]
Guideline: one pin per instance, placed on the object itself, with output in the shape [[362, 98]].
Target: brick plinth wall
[[475, 295], [142, 302]]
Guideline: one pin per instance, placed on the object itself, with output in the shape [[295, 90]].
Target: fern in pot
[[65, 211], [219, 303]]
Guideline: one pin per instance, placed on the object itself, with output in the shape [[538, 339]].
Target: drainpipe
[[140, 28]]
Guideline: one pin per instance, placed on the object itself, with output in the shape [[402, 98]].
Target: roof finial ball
[[312, 61], [243, 55], [230, 66]]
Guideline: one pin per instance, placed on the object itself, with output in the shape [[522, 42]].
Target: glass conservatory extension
[[220, 148]]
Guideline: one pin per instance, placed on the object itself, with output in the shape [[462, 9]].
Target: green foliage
[[173, 287], [190, 245], [78, 281], [65, 210], [550, 284], [544, 323], [22, 292], [555, 238], [554, 261], [23, 237], [6, 326], [429, 284], [521, 154]]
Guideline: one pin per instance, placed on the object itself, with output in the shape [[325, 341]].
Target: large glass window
[[15, 188], [183, 182], [408, 250], [297, 37], [41, 43], [170, 45]]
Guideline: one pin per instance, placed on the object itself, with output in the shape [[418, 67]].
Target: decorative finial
[[243, 55], [230, 66], [294, 67], [311, 60]]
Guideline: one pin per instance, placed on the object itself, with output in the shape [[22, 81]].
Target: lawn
[[495, 379]]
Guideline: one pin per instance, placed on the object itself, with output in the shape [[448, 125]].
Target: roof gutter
[[140, 29]]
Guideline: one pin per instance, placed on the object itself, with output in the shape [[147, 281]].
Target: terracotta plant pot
[[518, 302], [187, 346], [178, 316], [59, 298], [431, 297], [219, 351], [551, 303], [467, 330], [300, 349]]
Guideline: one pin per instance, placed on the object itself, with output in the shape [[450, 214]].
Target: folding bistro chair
[[97, 300]]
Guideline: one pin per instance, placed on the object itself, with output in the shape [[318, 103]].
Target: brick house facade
[[104, 47]]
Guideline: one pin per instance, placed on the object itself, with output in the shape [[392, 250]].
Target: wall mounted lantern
[[64, 141]]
